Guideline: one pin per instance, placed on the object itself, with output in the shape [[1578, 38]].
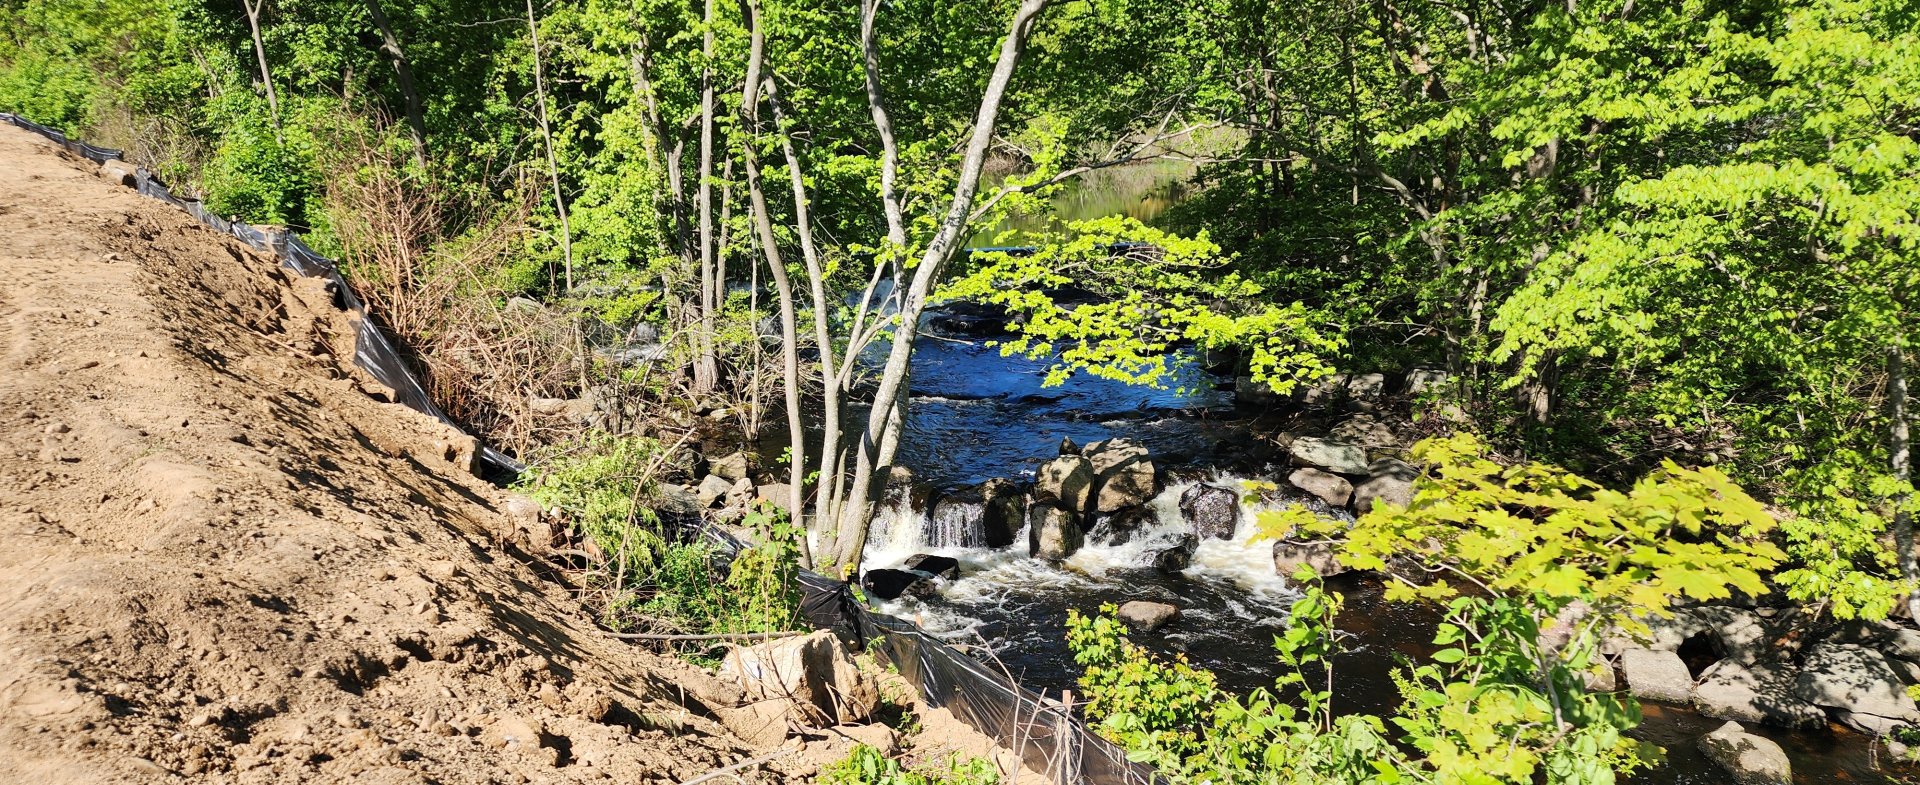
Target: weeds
[[867, 766]]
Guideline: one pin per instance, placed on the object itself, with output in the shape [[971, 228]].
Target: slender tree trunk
[[252, 8], [553, 161], [416, 117], [770, 249], [705, 369], [877, 446], [1900, 444]]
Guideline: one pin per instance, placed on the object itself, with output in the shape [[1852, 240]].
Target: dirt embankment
[[222, 561]]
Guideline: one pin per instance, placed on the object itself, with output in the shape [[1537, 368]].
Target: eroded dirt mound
[[222, 561]]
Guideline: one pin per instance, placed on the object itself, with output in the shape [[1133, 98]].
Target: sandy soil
[[222, 561]]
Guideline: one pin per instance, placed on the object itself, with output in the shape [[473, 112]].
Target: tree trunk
[[770, 249], [252, 8], [553, 161], [881, 439], [1900, 445], [705, 369], [416, 117]]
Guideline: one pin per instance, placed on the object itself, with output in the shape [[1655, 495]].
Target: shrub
[[866, 766]]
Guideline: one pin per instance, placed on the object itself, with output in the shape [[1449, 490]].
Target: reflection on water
[[1141, 191]]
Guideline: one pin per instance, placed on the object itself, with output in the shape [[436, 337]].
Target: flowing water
[[976, 415]]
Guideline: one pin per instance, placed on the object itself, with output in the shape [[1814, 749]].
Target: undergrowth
[[867, 766], [647, 571]]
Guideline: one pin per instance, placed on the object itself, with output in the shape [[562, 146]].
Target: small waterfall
[[957, 521]]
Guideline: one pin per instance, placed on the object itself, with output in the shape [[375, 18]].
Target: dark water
[[976, 415]]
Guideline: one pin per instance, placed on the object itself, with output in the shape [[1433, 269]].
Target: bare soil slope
[[222, 561]]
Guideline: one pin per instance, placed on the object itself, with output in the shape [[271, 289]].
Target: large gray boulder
[[1328, 455], [1752, 760], [1365, 390], [1147, 616], [1424, 380], [1855, 679], [1321, 555], [734, 466], [1212, 511], [1656, 675], [1123, 474], [711, 489], [1763, 693], [1389, 481], [1330, 488], [1053, 534], [1321, 392], [1888, 638], [1366, 431], [1065, 482]]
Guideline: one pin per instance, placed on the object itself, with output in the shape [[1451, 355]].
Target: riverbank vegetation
[[1671, 247]]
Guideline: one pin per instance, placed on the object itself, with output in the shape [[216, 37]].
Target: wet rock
[[1388, 480], [1320, 555], [1147, 616], [1067, 447], [1328, 455], [1656, 675], [711, 489], [1053, 533], [1752, 760], [1123, 474], [1005, 511], [1121, 527], [1329, 488], [893, 584], [734, 466], [1855, 679], [945, 567], [1066, 482], [1177, 558], [1729, 690], [1213, 512]]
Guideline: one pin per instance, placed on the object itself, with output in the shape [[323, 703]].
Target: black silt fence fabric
[[373, 351], [1047, 736]]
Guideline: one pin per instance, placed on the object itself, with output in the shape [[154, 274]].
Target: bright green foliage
[[1159, 291], [1556, 561], [1543, 534], [651, 574], [866, 766]]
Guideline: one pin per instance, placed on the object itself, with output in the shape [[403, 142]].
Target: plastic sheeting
[[1048, 736]]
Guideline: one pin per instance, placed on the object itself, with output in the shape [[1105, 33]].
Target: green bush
[[866, 766]]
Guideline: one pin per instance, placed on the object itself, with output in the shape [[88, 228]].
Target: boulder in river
[[1389, 480], [1065, 482], [1752, 760], [1763, 693], [1328, 455], [1212, 511], [1656, 675], [1121, 527], [1854, 679], [1320, 555], [1053, 534], [1005, 512], [893, 584], [1330, 488], [945, 567], [1147, 616], [1176, 558], [1123, 474]]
